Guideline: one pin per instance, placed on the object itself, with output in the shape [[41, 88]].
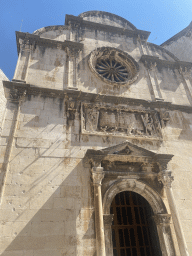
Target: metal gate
[[130, 227]]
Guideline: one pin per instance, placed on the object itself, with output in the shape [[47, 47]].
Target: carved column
[[22, 63], [108, 218], [163, 227], [166, 178], [97, 176], [72, 54]]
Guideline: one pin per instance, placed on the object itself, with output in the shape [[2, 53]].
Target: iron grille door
[[130, 228]]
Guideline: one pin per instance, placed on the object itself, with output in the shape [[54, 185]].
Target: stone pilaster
[[166, 178], [108, 218], [72, 54], [163, 227], [97, 176], [23, 59]]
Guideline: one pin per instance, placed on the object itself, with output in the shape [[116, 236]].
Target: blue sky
[[163, 18]]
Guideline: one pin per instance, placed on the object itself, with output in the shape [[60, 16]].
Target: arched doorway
[[133, 230]]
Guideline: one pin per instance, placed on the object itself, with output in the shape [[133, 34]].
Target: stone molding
[[79, 22], [149, 61], [137, 154], [31, 39], [87, 97], [110, 15], [141, 188]]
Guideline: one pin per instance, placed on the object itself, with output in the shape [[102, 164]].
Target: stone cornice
[[136, 155], [148, 60], [163, 50], [79, 22], [37, 40], [108, 14], [75, 95]]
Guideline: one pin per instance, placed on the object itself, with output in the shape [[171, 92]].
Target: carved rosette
[[162, 219], [113, 66], [165, 178]]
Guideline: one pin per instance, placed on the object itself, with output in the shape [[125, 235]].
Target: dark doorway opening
[[134, 232]]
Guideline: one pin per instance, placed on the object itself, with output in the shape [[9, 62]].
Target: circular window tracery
[[113, 65], [112, 70]]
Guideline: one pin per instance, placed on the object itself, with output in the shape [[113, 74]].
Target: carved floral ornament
[[113, 66]]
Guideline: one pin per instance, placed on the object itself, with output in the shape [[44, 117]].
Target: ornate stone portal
[[128, 167]]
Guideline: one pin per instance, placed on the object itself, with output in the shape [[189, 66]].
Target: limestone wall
[[47, 204]]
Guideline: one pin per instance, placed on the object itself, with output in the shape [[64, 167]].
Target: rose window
[[112, 70], [113, 66]]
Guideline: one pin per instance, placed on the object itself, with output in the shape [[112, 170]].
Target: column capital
[[72, 51], [97, 175], [162, 219], [166, 178]]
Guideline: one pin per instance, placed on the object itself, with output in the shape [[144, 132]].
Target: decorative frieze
[[102, 120]]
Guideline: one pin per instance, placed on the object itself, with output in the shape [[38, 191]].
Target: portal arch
[[139, 187], [161, 217]]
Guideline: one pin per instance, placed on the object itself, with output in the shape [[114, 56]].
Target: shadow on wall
[[181, 125], [59, 225]]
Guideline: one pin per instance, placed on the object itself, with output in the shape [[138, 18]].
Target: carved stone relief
[[121, 122]]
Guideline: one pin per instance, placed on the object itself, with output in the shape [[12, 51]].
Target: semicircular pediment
[[107, 18]]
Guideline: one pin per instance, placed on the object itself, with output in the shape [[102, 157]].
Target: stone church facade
[[96, 142]]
